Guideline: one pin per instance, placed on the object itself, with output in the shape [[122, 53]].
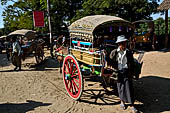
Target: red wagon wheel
[[72, 77]]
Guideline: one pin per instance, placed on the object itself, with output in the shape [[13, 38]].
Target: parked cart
[[92, 38], [30, 44]]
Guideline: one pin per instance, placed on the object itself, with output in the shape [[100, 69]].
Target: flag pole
[[50, 30]]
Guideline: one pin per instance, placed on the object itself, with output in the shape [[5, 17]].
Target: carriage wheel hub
[[68, 77]]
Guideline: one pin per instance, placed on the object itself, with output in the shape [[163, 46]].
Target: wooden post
[[166, 29]]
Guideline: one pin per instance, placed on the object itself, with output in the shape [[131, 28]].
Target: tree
[[160, 26], [1, 31], [131, 10], [62, 11], [19, 15]]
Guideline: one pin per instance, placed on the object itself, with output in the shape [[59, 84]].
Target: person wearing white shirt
[[16, 53], [123, 62]]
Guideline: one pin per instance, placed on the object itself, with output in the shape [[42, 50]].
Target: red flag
[[38, 18]]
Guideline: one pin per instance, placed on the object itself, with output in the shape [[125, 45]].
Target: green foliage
[[20, 14], [141, 28], [92, 7], [2, 31], [159, 26], [131, 10], [63, 12]]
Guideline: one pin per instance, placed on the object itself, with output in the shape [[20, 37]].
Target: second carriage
[[92, 38], [30, 44]]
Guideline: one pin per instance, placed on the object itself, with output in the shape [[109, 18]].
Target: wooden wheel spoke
[[75, 85], [67, 83], [67, 68], [65, 72], [70, 88], [76, 80], [71, 67], [68, 64], [74, 71], [75, 75]]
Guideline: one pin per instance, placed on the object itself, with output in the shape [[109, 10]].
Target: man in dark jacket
[[123, 62]]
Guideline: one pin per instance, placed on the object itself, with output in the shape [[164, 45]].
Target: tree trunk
[[166, 29]]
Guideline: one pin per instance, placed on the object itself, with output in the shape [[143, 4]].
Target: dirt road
[[40, 89]]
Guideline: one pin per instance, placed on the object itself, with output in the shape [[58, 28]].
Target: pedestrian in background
[[16, 53]]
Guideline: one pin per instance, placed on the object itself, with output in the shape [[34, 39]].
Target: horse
[[60, 50]]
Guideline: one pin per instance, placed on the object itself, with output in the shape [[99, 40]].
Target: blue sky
[[155, 16], [1, 19], [1, 10]]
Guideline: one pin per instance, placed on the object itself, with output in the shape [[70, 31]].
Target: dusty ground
[[40, 89]]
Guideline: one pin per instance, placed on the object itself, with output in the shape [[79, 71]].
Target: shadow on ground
[[21, 107], [48, 64], [151, 92], [99, 97], [4, 61], [154, 94], [164, 50]]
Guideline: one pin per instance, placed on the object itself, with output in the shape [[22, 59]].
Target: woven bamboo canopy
[[89, 23], [165, 5], [86, 26]]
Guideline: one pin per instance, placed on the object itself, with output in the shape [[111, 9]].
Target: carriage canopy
[[86, 26], [29, 34], [3, 37]]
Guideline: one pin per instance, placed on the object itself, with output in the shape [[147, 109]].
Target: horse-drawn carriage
[[144, 35], [92, 38], [30, 44]]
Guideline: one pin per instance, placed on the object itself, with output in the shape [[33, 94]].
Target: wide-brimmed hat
[[121, 38]]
